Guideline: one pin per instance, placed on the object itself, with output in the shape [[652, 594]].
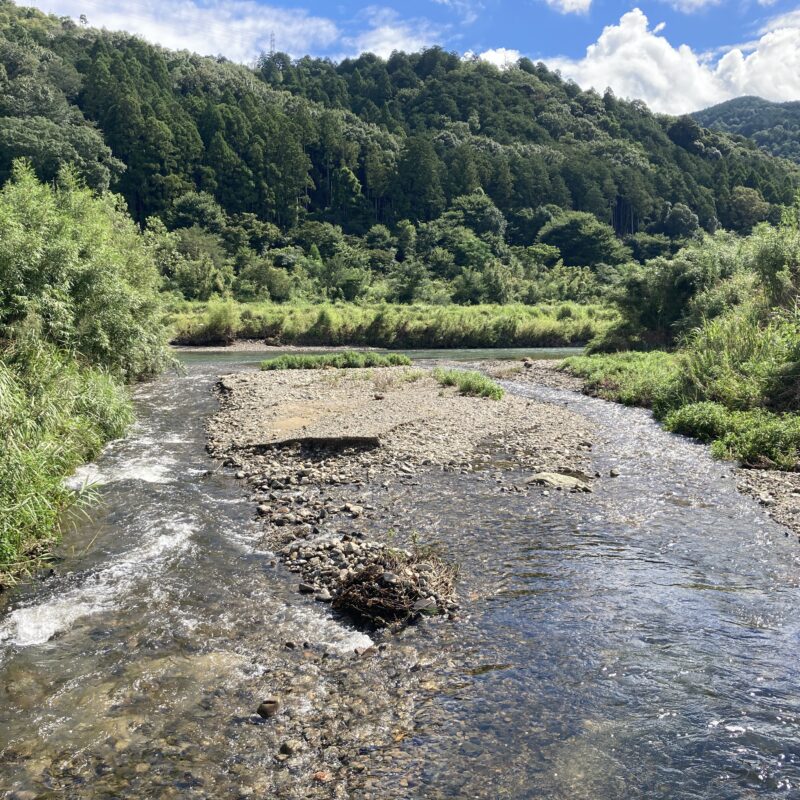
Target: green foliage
[[79, 314], [349, 360], [583, 240], [412, 179], [757, 438], [398, 326], [658, 301], [737, 368], [469, 383], [54, 415], [76, 268], [635, 379]]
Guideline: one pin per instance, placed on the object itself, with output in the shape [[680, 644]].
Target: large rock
[[557, 480]]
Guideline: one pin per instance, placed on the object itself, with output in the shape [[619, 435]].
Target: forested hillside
[[424, 177], [773, 126]]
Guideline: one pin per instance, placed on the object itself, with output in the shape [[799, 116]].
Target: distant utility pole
[[272, 43]]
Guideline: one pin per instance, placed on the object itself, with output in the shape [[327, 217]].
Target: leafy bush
[[348, 360], [469, 383], [75, 267], [757, 438]]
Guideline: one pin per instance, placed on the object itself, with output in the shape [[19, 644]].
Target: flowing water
[[641, 641]]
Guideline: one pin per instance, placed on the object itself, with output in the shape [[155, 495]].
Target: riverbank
[[776, 490], [389, 326]]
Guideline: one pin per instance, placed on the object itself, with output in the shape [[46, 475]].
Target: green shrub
[[757, 438], [469, 383], [74, 267], [348, 360]]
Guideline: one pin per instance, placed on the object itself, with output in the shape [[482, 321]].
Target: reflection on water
[[638, 642]]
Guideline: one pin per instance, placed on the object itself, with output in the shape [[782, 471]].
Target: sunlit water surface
[[641, 641]]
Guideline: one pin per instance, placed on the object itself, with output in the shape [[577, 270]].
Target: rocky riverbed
[[330, 459], [323, 450]]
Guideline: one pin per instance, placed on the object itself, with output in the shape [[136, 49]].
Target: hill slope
[[423, 176], [775, 127]]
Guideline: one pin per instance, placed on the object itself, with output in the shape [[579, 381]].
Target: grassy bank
[[717, 406], [79, 318], [55, 415], [390, 326], [350, 360]]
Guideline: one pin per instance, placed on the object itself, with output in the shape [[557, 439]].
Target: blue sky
[[676, 55]]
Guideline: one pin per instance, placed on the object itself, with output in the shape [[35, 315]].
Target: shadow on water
[[638, 642]]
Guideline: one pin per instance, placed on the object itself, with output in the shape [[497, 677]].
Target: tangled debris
[[382, 585]]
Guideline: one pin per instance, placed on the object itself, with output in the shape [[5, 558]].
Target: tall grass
[[719, 388], [392, 326], [349, 360], [469, 383], [79, 316], [54, 415]]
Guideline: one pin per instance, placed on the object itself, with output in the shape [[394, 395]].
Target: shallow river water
[[641, 641]]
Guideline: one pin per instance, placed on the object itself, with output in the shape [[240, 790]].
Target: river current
[[640, 641]]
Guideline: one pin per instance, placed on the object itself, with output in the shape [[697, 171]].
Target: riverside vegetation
[[78, 320], [727, 310]]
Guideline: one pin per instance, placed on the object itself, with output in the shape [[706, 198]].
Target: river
[[640, 641]]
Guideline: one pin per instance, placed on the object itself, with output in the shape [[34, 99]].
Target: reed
[[390, 326]]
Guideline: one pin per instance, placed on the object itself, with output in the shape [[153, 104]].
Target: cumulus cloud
[[637, 62], [570, 6], [501, 56], [387, 31], [238, 29]]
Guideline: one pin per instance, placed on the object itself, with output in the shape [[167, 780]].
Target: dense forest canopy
[[422, 177], [775, 127]]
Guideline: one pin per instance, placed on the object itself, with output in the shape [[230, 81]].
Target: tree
[[583, 240], [417, 190], [746, 208], [680, 221]]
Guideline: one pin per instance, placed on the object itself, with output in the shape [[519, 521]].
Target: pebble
[[291, 747], [268, 709]]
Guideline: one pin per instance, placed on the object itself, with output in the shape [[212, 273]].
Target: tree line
[[424, 176]]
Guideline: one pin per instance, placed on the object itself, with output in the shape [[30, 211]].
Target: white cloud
[[636, 62], [501, 56], [690, 6], [238, 29], [468, 10], [570, 6], [387, 32]]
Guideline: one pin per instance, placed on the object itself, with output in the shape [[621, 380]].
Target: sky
[[676, 55]]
